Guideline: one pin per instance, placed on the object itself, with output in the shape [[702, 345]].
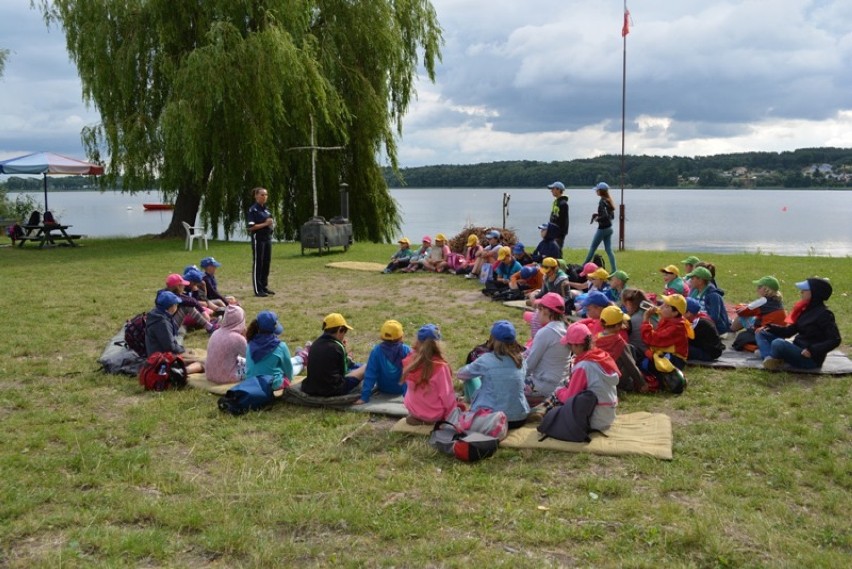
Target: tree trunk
[[186, 209]]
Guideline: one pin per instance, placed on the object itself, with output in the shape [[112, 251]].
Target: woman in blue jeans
[[604, 217]]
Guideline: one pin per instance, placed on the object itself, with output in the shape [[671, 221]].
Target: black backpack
[[572, 421], [134, 334], [599, 261]]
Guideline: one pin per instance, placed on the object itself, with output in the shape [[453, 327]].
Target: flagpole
[[621, 209]]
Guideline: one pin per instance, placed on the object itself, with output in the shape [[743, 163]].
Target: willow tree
[[209, 98]]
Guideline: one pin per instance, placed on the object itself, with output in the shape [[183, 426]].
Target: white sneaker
[[773, 364]]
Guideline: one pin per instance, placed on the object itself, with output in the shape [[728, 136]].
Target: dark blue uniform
[[261, 248]]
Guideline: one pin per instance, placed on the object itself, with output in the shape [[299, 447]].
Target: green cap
[[701, 273], [691, 260], [768, 282], [621, 275]]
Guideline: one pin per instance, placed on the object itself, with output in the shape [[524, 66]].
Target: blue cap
[[267, 322], [528, 271], [166, 298], [596, 298], [804, 285], [428, 332], [518, 248], [193, 275], [602, 186], [504, 331], [209, 261], [693, 306], [557, 186], [492, 234]]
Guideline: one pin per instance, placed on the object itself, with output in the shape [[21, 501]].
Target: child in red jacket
[[668, 342]]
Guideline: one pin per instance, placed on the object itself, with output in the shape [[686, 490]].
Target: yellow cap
[[391, 330], [441, 237], [612, 315], [599, 274], [671, 269], [334, 320], [404, 241], [676, 301], [472, 240], [503, 253], [549, 263]]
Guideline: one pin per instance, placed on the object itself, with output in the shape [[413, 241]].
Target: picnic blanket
[[357, 266], [522, 304], [642, 434], [380, 403], [836, 363]]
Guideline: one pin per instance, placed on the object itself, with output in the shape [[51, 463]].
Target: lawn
[[97, 472]]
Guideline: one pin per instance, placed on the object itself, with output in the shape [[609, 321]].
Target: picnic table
[[50, 233]]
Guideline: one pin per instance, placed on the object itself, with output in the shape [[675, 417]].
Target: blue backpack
[[251, 394]]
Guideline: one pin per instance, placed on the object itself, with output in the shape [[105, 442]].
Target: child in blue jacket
[[384, 366]]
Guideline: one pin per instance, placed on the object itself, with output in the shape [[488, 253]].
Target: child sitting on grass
[[767, 309], [438, 256], [494, 382], [613, 340], [384, 366], [706, 346], [547, 359], [617, 283], [211, 285], [161, 330], [668, 342], [416, 260], [331, 371], [401, 258], [813, 326], [462, 263], [226, 348], [428, 379], [266, 354], [595, 374], [672, 282]]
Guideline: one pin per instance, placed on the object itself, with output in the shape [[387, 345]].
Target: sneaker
[[674, 381], [260, 294], [773, 364], [386, 271], [269, 292], [470, 276], [212, 327]]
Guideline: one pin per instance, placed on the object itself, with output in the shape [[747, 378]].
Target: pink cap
[[175, 279], [552, 301], [576, 334], [427, 239], [588, 268]]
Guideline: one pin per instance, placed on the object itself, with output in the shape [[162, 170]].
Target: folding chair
[[193, 233]]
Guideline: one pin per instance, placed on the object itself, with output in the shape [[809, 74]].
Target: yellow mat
[[643, 434], [357, 266]]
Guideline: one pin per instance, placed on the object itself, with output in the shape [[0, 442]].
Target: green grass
[[96, 472]]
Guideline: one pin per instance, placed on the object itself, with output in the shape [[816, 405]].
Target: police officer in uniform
[[260, 225]]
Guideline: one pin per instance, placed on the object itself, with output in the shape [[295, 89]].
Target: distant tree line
[[745, 169], [56, 183]]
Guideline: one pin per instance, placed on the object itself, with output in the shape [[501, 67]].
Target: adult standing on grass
[[604, 217], [260, 224], [559, 212]]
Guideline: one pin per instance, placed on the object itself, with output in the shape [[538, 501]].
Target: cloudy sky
[[541, 80]]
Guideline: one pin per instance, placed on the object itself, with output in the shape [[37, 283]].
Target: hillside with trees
[[806, 167]]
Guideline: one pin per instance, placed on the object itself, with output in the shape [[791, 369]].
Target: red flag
[[625, 29]]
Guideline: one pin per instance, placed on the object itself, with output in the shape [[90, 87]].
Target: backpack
[[467, 447], [14, 232], [571, 421], [134, 334], [161, 371], [599, 261], [251, 394]]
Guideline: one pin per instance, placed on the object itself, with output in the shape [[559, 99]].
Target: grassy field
[[96, 472]]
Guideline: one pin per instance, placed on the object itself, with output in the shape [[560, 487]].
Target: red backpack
[[163, 370]]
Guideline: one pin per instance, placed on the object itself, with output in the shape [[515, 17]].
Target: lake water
[[784, 222]]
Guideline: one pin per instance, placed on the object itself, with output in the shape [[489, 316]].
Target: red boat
[[157, 206]]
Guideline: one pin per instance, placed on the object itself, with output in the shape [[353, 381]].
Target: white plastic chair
[[193, 233]]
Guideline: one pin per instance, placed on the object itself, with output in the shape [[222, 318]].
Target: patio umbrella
[[45, 163]]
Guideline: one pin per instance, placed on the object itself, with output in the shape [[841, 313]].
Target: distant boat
[[157, 206]]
